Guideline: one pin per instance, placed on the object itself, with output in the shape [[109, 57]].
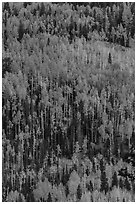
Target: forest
[[68, 102]]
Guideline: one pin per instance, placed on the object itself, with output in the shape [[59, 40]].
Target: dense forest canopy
[[68, 101], [112, 22]]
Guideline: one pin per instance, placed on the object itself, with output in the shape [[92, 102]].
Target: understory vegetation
[[68, 102]]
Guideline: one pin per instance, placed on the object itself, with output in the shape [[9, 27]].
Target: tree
[[21, 31], [127, 16], [109, 58], [113, 34], [115, 180], [107, 25]]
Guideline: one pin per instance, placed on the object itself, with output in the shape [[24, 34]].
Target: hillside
[[68, 102]]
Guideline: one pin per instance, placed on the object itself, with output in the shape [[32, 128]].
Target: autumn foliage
[[68, 102]]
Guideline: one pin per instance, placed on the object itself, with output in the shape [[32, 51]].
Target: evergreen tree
[[104, 182], [109, 58], [49, 198], [115, 180], [79, 192], [21, 31]]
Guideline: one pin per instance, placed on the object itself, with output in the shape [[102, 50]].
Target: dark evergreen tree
[[79, 193], [109, 58], [21, 31], [115, 180], [104, 182], [6, 65], [89, 186], [42, 9], [127, 184], [121, 184], [49, 198]]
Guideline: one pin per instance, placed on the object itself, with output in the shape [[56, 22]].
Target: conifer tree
[[109, 58]]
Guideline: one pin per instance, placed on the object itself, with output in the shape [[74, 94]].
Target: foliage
[[68, 102]]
